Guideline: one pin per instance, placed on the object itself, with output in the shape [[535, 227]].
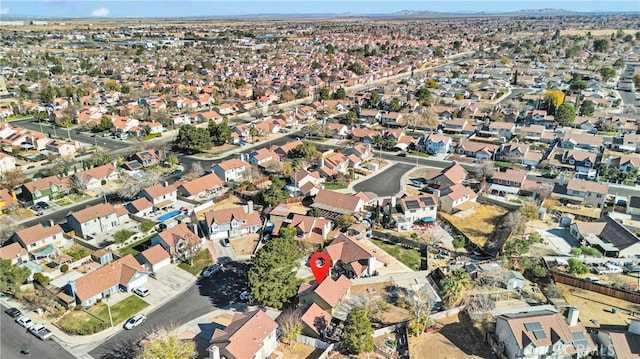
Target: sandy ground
[[454, 340], [594, 32], [244, 246], [479, 224], [595, 306]]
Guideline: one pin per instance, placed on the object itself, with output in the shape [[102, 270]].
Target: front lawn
[[336, 185], [317, 139], [96, 318], [420, 154], [200, 262], [507, 165], [131, 249], [410, 257]]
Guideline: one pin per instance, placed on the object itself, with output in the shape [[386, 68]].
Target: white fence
[[316, 343], [447, 313]]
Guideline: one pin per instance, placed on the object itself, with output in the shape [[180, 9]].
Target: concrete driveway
[[169, 282], [558, 239]]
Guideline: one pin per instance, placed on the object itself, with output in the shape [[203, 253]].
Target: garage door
[[219, 235]]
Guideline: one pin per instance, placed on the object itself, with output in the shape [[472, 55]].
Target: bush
[[103, 182], [64, 268], [577, 267], [459, 242], [147, 225], [122, 235], [539, 271], [41, 279]]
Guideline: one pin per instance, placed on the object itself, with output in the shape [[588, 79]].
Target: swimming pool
[[169, 215]]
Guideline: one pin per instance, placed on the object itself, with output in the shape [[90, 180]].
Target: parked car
[[41, 332], [211, 269], [245, 296], [593, 279], [142, 291], [402, 154], [13, 312], [176, 173], [134, 321], [25, 322], [226, 242], [266, 238], [40, 206]]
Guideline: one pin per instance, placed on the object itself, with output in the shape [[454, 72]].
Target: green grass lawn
[[96, 318], [420, 154], [338, 185], [63, 202], [410, 257], [507, 164], [151, 136], [200, 262], [130, 248], [317, 139]]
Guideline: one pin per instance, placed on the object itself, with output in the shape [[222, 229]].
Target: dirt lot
[[455, 339], [392, 314], [297, 351], [243, 246], [598, 306], [478, 224], [230, 202], [594, 32]]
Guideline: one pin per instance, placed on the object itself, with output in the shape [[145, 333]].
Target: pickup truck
[[40, 331]]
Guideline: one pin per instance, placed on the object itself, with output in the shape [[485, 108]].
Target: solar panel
[[532, 326], [539, 334], [412, 204], [427, 200]]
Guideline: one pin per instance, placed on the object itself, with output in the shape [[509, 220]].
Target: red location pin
[[320, 264]]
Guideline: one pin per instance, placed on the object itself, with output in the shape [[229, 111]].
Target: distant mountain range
[[398, 15]]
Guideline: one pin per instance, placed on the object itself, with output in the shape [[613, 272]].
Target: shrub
[[103, 182], [146, 226], [41, 278], [64, 268], [122, 235], [577, 267], [459, 242], [539, 271]]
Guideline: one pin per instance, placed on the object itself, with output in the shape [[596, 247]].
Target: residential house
[[302, 177], [583, 162], [351, 258], [46, 189], [591, 143], [478, 150], [633, 206], [140, 207], [337, 130], [364, 135], [155, 258], [508, 182], [334, 204], [609, 236], [422, 207], [262, 157], [123, 274], [62, 148], [95, 177], [504, 130], [232, 222], [585, 123], [15, 253], [327, 295], [8, 201], [311, 229], [363, 152], [201, 187], [315, 320], [162, 195], [620, 344], [41, 242], [333, 164], [100, 218], [142, 160], [458, 126], [630, 142], [249, 335], [512, 152], [449, 176], [180, 241], [285, 150], [370, 115], [625, 163], [435, 143], [231, 170], [7, 163], [455, 197], [540, 117], [542, 334], [536, 133], [588, 193]]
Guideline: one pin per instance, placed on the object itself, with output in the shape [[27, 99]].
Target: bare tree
[[515, 221], [80, 181], [197, 168], [8, 227], [12, 179], [419, 303], [485, 169], [290, 325]]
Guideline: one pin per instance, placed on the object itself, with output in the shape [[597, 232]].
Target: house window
[[598, 196]]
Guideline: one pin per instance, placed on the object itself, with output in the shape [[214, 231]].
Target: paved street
[[220, 290], [14, 338], [514, 93], [387, 183], [84, 137]]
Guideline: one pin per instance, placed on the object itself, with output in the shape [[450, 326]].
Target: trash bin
[[614, 310]]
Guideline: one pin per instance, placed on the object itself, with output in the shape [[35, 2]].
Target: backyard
[[201, 260], [477, 223], [596, 306], [96, 318], [336, 185], [135, 247], [410, 257]]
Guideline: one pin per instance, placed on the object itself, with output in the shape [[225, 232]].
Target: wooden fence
[[564, 278]]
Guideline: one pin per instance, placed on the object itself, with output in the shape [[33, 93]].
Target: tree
[[272, 277], [576, 85], [553, 99], [306, 151], [374, 100], [395, 104], [636, 79], [345, 221], [325, 93], [12, 276], [340, 94], [515, 221], [275, 193], [146, 225], [172, 160], [12, 179], [314, 212], [539, 271], [192, 138], [358, 332], [452, 290], [122, 235], [419, 304], [565, 114], [577, 267], [290, 325], [485, 170], [587, 107], [459, 242], [530, 212], [607, 73], [600, 45], [351, 118], [220, 133], [168, 347], [105, 124]]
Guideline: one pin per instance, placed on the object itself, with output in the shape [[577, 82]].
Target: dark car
[[40, 206], [13, 312], [402, 154], [176, 173]]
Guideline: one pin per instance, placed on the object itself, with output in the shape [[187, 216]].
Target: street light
[[106, 301]]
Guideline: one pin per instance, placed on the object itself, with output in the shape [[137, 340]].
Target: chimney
[[634, 326], [214, 352], [321, 162], [249, 206], [561, 179], [72, 287], [393, 201], [572, 316], [51, 223], [165, 184]]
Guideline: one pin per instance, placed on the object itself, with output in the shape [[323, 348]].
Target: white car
[[142, 291], [245, 296], [25, 322], [134, 321]]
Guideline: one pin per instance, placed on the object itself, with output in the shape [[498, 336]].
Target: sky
[[186, 8]]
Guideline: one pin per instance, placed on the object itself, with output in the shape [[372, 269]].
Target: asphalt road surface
[[387, 183], [220, 290], [14, 339]]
